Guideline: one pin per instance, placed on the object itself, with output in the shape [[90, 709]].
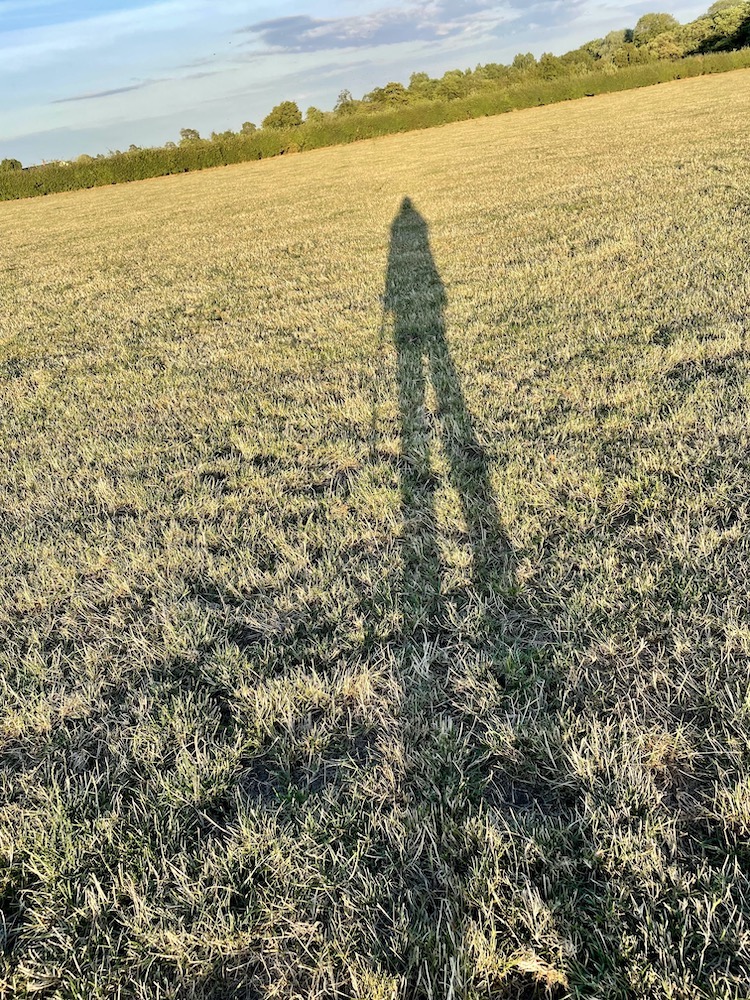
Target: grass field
[[375, 581]]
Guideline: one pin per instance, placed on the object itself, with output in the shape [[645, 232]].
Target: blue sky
[[84, 76]]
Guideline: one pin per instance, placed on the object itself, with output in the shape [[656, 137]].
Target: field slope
[[375, 577]]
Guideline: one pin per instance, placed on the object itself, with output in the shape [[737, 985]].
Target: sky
[[80, 76]]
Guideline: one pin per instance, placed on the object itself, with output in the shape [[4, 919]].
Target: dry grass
[[351, 653]]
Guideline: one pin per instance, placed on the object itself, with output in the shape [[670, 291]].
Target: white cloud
[[424, 20]]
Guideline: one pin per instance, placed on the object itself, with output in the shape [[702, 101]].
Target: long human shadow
[[415, 298]]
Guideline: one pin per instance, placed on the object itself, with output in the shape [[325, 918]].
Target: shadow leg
[[421, 554]]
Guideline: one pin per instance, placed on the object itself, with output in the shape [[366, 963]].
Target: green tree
[[550, 67], [524, 63], [650, 26], [732, 27], [188, 136], [629, 55], [284, 115], [666, 46], [421, 85], [452, 85], [248, 128], [314, 115], [492, 72], [392, 94], [578, 61], [9, 164], [720, 5], [607, 46], [345, 103]]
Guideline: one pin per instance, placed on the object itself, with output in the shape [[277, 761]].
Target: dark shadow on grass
[[415, 297], [455, 632]]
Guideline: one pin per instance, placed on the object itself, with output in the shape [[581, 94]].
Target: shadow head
[[407, 206]]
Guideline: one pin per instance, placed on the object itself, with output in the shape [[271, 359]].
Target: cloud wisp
[[425, 21], [95, 95]]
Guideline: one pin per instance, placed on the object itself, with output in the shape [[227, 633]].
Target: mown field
[[375, 575]]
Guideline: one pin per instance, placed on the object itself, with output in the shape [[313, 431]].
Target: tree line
[[656, 50]]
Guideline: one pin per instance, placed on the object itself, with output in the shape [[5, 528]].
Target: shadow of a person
[[415, 298]]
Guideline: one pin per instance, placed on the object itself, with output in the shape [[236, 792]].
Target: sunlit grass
[[336, 662]]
